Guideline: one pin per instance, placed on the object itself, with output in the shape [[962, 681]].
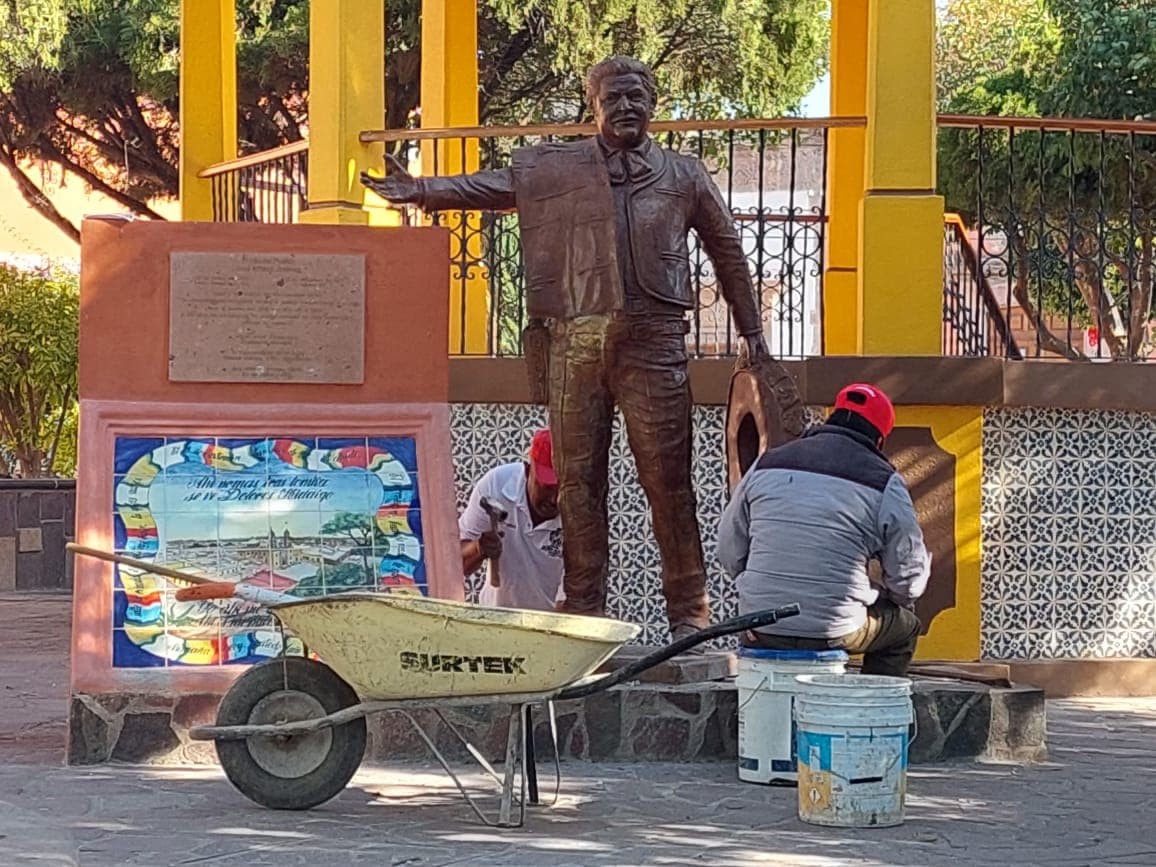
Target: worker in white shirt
[[528, 544]]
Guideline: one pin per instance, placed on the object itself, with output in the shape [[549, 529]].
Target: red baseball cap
[[869, 402], [542, 458]]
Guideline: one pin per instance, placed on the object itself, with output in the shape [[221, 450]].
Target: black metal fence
[[267, 187], [1056, 255], [1063, 214], [772, 175], [973, 322]]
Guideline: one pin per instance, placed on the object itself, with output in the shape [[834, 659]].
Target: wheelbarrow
[[290, 733]]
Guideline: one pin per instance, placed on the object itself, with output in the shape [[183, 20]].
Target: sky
[[817, 103]]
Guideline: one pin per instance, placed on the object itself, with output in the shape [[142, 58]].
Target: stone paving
[[1091, 804]]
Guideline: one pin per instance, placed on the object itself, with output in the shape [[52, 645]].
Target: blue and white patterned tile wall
[[1069, 534], [1068, 517], [485, 435]]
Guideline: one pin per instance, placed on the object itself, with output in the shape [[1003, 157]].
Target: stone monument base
[[638, 722]]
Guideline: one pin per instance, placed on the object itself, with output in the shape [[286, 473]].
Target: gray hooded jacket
[[804, 523]]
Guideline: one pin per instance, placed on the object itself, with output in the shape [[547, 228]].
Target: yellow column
[[845, 177], [901, 220], [449, 98], [346, 96], [958, 430], [208, 96]]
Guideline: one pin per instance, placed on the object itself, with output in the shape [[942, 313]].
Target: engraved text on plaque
[[267, 317]]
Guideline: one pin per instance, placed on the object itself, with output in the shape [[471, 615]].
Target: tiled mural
[[1069, 534], [302, 515], [1069, 529]]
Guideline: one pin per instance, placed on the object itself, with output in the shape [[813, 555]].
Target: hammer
[[497, 516]]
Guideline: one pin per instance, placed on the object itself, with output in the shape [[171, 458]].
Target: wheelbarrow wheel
[[299, 771]]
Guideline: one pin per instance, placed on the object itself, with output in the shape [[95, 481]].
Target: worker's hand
[[490, 544], [397, 186], [755, 348]]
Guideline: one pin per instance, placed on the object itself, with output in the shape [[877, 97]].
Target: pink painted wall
[[125, 392]]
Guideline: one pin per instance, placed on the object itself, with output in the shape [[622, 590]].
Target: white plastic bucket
[[852, 746], [766, 684]]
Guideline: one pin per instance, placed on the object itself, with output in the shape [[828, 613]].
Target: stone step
[[637, 722]]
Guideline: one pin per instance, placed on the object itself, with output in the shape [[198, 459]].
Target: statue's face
[[622, 110]]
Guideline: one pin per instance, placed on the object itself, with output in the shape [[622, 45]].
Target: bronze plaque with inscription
[[267, 317]]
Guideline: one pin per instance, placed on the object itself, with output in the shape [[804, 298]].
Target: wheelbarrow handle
[[143, 565], [219, 590], [728, 627]]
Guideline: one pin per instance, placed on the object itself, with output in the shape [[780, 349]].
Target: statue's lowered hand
[[754, 348], [397, 186]]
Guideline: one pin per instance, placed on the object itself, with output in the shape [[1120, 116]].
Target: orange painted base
[[102, 421]]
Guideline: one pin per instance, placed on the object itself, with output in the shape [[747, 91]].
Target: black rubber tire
[[340, 762]]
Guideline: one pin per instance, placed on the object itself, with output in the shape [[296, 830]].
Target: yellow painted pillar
[[845, 177], [954, 633], [901, 219], [208, 97], [449, 98], [346, 96]]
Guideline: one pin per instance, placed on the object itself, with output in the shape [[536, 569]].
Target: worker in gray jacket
[[804, 523]]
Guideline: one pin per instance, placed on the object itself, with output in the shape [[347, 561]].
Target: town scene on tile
[[305, 516], [572, 433]]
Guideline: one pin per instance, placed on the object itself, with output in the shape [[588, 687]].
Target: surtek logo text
[[432, 662]]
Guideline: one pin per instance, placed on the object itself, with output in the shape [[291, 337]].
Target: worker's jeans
[[640, 365], [886, 640]]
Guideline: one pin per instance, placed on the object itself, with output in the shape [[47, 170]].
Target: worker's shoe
[[677, 633]]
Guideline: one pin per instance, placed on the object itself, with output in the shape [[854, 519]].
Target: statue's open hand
[[398, 185]]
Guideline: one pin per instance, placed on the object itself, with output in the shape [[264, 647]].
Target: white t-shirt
[[531, 563]]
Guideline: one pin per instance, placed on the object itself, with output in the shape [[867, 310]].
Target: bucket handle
[[751, 697]]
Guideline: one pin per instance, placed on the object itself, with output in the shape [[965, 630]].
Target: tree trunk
[[35, 197], [1140, 298], [30, 463], [1019, 282]]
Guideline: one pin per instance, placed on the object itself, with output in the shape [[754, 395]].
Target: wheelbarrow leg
[[530, 759], [515, 750], [553, 717]]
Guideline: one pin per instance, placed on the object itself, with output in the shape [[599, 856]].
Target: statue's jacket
[[566, 218]]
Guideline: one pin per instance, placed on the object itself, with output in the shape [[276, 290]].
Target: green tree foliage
[[711, 57], [1077, 210], [360, 529], [38, 355], [92, 85], [342, 578]]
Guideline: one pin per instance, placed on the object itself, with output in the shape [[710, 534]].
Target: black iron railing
[[266, 187], [1064, 218], [771, 173], [973, 323]]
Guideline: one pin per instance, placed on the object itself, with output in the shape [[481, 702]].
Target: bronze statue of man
[[604, 226]]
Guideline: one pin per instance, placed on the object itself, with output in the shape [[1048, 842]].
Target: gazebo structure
[[884, 241]]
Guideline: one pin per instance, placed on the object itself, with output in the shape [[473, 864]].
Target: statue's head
[[621, 93]]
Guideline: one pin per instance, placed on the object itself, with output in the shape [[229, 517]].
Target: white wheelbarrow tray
[[391, 646]]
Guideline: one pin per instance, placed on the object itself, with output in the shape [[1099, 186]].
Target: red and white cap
[[542, 458], [869, 402]]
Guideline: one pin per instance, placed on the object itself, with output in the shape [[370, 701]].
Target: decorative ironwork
[[973, 323], [772, 175], [267, 187], [1063, 214]]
